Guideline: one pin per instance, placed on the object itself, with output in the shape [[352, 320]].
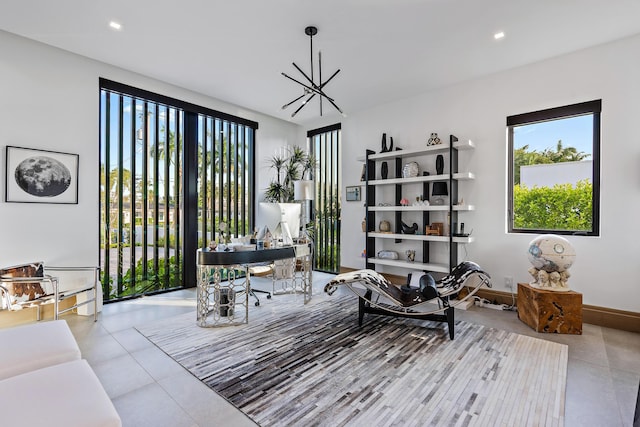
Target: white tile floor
[[148, 388]]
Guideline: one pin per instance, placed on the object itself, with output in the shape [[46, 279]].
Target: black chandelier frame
[[310, 88]]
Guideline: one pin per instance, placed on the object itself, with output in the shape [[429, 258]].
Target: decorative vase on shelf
[[384, 170], [439, 164]]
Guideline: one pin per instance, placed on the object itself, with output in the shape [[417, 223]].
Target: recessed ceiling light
[[115, 25], [499, 35]]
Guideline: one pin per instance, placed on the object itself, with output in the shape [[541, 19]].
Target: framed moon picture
[[40, 176]]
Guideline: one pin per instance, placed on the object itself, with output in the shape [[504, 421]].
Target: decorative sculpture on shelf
[[409, 230], [388, 254], [411, 170], [433, 139], [551, 257], [411, 254], [384, 170], [386, 149]]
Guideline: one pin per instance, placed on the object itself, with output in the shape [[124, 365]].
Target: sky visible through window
[[574, 132]]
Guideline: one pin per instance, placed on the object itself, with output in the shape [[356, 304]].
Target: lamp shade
[[303, 190], [440, 189]]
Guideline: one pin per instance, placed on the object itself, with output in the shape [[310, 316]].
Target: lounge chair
[[432, 300]]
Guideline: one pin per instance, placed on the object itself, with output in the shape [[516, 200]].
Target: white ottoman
[[64, 395], [34, 346]]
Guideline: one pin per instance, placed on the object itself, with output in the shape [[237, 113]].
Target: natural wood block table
[[550, 311]]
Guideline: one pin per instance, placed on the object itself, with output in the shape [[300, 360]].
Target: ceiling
[[236, 50]]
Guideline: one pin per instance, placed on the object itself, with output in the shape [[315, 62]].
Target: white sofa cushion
[[65, 395], [34, 346]]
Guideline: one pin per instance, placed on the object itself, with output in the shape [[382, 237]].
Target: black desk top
[[205, 256]]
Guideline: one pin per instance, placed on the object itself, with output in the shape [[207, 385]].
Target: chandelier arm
[[320, 77], [329, 79], [322, 85], [312, 89], [302, 105], [286, 105], [336, 107], [318, 89]]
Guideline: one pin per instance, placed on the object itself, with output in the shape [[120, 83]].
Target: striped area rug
[[312, 365]]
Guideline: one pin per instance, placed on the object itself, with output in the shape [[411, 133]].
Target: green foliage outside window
[[155, 279], [561, 207]]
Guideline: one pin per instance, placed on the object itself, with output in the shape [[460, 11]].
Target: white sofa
[[44, 381], [34, 346]]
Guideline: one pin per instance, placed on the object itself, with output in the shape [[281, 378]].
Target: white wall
[[49, 100], [607, 269], [550, 174]]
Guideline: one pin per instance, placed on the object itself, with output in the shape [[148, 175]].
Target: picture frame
[[353, 193], [363, 174], [40, 176]]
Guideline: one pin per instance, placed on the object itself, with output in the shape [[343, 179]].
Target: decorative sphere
[[550, 253]]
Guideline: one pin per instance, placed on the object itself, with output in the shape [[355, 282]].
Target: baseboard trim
[[594, 315]]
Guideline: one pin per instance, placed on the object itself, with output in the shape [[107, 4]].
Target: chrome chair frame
[[58, 295]]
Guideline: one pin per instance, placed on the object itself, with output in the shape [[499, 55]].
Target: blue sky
[[574, 132]]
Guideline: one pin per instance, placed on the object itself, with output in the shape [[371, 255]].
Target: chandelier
[[309, 88]]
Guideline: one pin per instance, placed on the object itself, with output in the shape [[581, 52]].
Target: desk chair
[[259, 271]]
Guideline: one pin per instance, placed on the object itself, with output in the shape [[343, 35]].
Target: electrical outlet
[[508, 282]]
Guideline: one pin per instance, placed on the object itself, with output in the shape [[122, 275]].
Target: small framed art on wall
[[353, 193]]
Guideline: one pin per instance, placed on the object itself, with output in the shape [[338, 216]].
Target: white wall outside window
[[548, 175]]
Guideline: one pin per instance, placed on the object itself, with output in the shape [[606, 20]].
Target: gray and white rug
[[313, 366]]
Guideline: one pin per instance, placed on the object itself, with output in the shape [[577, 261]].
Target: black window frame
[[325, 144], [190, 187], [584, 108]]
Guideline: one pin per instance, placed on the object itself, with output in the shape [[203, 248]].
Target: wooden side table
[[550, 311]]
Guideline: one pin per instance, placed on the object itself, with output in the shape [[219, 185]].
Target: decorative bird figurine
[[409, 230]]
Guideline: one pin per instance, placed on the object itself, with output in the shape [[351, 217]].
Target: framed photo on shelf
[[363, 174], [353, 193], [40, 176]]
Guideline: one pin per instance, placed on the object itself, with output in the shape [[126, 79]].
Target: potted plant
[[295, 165]]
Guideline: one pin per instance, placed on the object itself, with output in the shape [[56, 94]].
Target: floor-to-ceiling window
[[170, 173], [325, 143], [225, 178]]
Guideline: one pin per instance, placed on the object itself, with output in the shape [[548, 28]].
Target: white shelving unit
[[430, 243]]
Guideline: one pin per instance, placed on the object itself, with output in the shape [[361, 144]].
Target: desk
[[225, 304], [293, 275]]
